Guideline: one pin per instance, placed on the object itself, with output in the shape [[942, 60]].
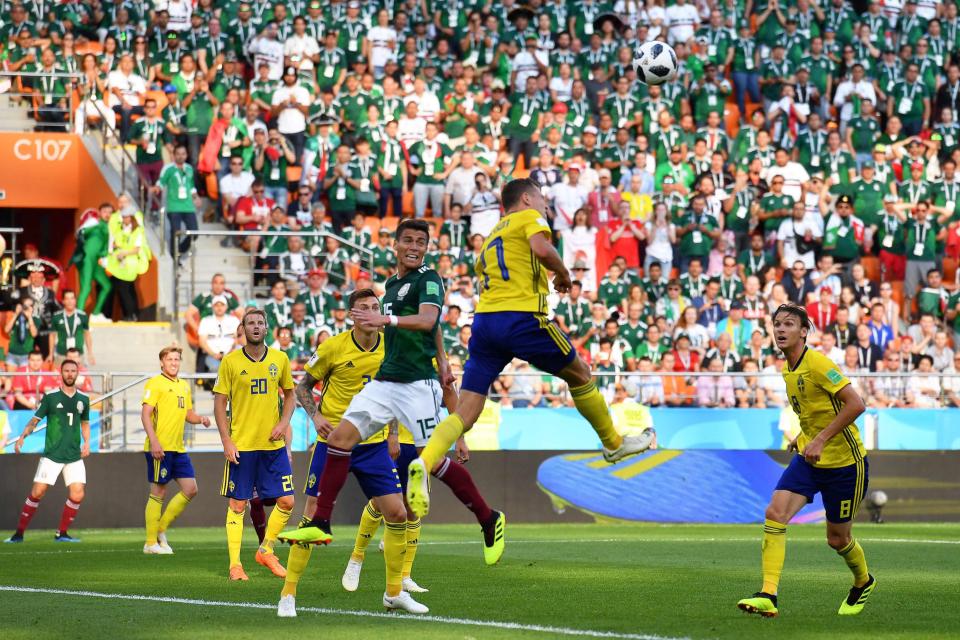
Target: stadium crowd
[[806, 152]]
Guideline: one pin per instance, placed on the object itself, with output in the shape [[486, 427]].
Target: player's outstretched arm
[[195, 418], [27, 430], [547, 255], [852, 407]]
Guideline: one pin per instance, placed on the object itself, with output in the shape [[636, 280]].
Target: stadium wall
[[922, 486]]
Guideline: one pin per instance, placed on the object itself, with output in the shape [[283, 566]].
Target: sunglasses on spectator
[[305, 193], [237, 162], [258, 190]]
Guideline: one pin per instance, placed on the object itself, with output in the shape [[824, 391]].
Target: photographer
[[270, 161], [21, 326]]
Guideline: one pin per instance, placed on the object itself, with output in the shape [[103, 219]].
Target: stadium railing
[[122, 429], [185, 282]]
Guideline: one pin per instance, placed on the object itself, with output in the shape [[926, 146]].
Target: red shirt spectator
[[603, 202], [625, 235], [253, 210], [28, 389], [823, 313], [686, 360]]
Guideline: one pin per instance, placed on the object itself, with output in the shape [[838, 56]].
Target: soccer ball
[[878, 498], [655, 62]]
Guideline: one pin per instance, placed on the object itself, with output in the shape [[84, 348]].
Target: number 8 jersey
[[253, 388], [511, 277]]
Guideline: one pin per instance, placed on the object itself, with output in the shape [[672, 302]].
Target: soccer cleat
[[154, 550], [412, 587], [237, 573], [631, 445], [317, 532], [493, 540], [351, 575], [65, 537], [857, 598], [404, 602], [287, 607], [418, 488], [162, 541], [272, 562], [760, 603], [15, 538]]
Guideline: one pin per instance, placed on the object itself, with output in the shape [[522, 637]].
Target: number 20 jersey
[[253, 388]]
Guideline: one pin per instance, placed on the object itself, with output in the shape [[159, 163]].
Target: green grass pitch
[[616, 581]]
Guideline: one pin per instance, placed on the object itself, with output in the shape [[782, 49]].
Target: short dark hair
[[77, 365], [66, 291], [794, 310], [360, 294], [415, 225], [515, 189], [254, 312]]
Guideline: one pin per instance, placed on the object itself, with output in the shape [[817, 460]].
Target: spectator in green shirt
[[177, 181]]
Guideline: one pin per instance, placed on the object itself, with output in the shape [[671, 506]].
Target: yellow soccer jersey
[[511, 277], [170, 399], [812, 388], [344, 367], [253, 388]]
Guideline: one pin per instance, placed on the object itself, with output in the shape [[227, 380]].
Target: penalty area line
[[468, 622]]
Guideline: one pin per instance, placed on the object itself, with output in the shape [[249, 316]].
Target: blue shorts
[[267, 473], [842, 489], [370, 463], [408, 453], [174, 465], [501, 336]]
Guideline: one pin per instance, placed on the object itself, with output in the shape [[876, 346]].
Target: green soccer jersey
[[70, 330], [204, 303], [864, 133], [611, 293], [773, 202], [148, 134], [837, 165], [408, 355], [64, 414], [868, 200], [178, 183], [921, 239]]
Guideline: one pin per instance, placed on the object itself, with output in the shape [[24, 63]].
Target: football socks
[[413, 540], [151, 517], [275, 524], [852, 554], [394, 548], [369, 523], [593, 407], [173, 511], [234, 535], [773, 550]]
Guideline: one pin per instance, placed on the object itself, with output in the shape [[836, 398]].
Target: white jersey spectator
[[383, 42], [794, 177], [567, 198], [682, 20], [131, 87], [792, 232], [303, 47], [179, 12], [270, 51]]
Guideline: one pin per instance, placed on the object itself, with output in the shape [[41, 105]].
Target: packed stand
[[805, 153]]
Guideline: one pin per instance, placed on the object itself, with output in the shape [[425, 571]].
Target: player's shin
[[394, 548], [27, 512], [151, 517], [275, 524], [461, 483], [177, 504], [853, 555], [443, 437], [234, 535], [258, 516], [369, 523], [334, 476], [70, 509], [594, 409], [413, 541], [773, 550], [296, 564]]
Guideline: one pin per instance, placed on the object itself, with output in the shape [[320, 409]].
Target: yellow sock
[[174, 509], [593, 407], [441, 440], [275, 524], [304, 521], [413, 540], [853, 556], [772, 552], [369, 523], [296, 565], [151, 516], [394, 548], [234, 534]]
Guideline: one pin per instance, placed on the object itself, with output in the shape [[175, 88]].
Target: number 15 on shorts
[[426, 426]]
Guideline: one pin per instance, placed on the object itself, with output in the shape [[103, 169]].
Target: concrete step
[[129, 346]]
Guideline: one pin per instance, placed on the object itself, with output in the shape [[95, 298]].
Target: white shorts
[[48, 471], [416, 405]]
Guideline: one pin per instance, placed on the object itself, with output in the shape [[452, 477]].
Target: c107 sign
[[41, 149]]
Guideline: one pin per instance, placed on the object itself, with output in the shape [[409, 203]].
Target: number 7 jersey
[[511, 276]]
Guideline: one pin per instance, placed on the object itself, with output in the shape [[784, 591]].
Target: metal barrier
[[253, 288]]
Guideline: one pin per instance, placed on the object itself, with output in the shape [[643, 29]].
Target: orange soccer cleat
[[272, 562], [237, 573]]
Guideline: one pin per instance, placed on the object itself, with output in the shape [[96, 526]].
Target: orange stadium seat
[[373, 223], [213, 188], [407, 205], [950, 273], [871, 267]]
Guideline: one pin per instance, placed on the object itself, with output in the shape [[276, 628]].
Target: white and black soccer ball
[[878, 498], [655, 62]]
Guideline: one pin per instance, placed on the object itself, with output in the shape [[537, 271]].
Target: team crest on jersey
[[80, 406], [800, 384], [312, 480], [273, 371], [59, 406], [404, 290]]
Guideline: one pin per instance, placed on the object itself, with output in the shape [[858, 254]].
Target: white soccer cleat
[[162, 541], [404, 602], [380, 546], [631, 445], [351, 575], [287, 607], [154, 550], [412, 587]]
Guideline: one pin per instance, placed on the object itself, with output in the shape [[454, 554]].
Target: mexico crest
[[404, 290]]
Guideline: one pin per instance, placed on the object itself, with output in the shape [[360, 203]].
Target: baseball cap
[[827, 290], [916, 164], [339, 305], [676, 149], [580, 264], [817, 175], [497, 85], [879, 148], [230, 56], [845, 199], [126, 213], [316, 272], [559, 107], [218, 300], [591, 129], [737, 304], [172, 35], [169, 88], [573, 166], [869, 164], [604, 173]]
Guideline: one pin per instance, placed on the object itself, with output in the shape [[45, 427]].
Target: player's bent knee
[[285, 503], [838, 540], [392, 508], [776, 514], [576, 374], [345, 436]]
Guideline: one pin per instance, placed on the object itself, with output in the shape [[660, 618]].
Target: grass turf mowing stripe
[[516, 626]]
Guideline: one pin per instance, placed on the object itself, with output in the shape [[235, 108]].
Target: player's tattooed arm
[[34, 421], [304, 393]]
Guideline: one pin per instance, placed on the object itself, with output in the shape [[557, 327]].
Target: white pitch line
[[125, 549], [513, 626]]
